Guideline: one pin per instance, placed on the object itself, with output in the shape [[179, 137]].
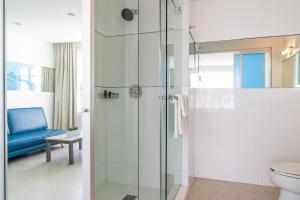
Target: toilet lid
[[287, 168]]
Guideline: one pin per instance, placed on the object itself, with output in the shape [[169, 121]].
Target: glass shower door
[[138, 67], [116, 99], [171, 65]]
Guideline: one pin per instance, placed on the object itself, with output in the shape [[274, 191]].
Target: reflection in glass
[[248, 63], [216, 70], [20, 77], [251, 70], [26, 77], [290, 72]]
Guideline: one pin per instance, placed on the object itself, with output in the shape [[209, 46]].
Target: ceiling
[[46, 20]]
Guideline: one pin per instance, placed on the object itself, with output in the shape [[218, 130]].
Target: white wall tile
[[240, 133], [175, 55], [116, 61], [122, 174], [100, 60], [100, 140], [149, 177], [116, 137], [149, 57], [149, 137], [101, 16], [109, 20], [149, 16], [110, 23], [149, 128], [150, 101], [149, 154]]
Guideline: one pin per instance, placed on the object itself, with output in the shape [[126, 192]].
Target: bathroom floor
[[206, 189], [31, 177]]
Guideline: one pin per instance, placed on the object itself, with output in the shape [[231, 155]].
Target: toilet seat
[[287, 169]]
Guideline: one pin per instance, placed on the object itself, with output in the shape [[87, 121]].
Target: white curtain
[[65, 105]]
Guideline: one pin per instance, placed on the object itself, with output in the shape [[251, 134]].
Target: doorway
[[43, 68]]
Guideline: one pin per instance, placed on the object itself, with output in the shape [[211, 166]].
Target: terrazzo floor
[[206, 189], [32, 178]]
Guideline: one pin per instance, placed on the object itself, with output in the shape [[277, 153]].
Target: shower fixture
[[128, 14], [108, 95], [135, 91]]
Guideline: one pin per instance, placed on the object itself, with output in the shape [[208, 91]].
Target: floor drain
[[130, 197]]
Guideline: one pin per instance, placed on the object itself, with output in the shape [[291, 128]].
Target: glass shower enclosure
[[137, 154]]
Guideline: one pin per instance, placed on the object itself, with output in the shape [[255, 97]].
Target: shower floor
[[114, 191]]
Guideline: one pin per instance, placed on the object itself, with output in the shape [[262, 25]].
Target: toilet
[[287, 177]]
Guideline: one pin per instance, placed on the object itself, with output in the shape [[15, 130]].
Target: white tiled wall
[[100, 140], [116, 138], [149, 57], [239, 133], [109, 21], [124, 58], [149, 109], [122, 138], [116, 60]]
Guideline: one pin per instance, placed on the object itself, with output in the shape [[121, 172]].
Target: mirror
[[271, 62], [27, 77]]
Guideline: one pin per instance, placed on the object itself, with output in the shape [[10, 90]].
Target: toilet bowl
[[287, 177]]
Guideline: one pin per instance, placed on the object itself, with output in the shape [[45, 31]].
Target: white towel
[[180, 114], [175, 103]]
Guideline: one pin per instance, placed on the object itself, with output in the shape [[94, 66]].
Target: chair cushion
[[29, 139], [22, 120]]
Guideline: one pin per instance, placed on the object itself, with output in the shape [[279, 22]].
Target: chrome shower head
[[128, 14]]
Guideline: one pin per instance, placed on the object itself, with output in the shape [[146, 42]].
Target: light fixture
[[71, 14], [288, 51]]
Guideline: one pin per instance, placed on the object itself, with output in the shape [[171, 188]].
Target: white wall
[[2, 109], [241, 132], [235, 19], [26, 99], [27, 50]]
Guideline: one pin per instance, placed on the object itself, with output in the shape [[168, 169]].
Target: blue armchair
[[28, 129]]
